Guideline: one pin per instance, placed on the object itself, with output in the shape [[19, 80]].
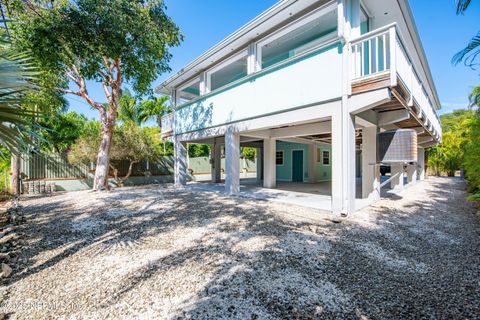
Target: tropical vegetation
[[460, 147], [104, 43], [130, 142]]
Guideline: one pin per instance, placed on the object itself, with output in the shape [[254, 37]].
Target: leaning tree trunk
[[100, 181], [121, 181], [15, 175]]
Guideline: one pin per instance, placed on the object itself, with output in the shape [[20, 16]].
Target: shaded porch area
[[311, 195]]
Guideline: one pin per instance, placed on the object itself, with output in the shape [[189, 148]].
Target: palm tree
[[130, 109], [14, 120], [16, 123], [474, 98], [154, 108], [472, 50]]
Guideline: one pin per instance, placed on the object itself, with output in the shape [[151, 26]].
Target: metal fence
[[42, 166], [52, 167], [56, 167]]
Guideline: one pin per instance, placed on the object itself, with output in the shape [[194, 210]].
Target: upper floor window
[[364, 21], [189, 92], [299, 37], [229, 71]]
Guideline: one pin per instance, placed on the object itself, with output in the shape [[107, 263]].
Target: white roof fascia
[[412, 28]]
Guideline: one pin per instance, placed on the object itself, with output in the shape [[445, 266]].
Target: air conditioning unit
[[397, 146]]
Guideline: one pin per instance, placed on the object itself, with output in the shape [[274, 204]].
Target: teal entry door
[[297, 165]]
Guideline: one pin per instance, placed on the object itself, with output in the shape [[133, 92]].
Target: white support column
[[180, 163], [312, 163], [232, 162], [337, 171], [343, 163], [421, 164], [269, 164], [349, 159], [412, 173], [397, 182], [216, 161], [370, 170], [259, 164]]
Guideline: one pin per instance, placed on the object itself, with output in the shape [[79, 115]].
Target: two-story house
[[311, 84]]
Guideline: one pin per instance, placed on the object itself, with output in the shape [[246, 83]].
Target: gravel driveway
[[161, 253]]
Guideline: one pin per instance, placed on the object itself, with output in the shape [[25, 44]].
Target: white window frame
[[329, 158], [292, 26], [364, 9], [186, 85], [283, 158], [235, 57]]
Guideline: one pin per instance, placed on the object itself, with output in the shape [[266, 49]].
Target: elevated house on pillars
[[311, 84]]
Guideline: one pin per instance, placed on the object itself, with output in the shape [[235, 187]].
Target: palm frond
[[16, 123], [469, 53], [462, 5]]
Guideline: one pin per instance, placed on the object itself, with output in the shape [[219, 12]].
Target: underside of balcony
[[402, 100]]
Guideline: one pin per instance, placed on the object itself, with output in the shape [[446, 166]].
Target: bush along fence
[[44, 173]]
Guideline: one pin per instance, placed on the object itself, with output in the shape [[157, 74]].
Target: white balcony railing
[[166, 124], [371, 54], [382, 51]]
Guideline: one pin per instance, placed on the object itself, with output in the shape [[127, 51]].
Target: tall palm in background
[[474, 98], [140, 111]]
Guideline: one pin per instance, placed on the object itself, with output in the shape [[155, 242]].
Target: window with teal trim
[[233, 71], [364, 22], [189, 92], [301, 39]]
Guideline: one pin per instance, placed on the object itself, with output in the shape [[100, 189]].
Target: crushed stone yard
[[161, 253]]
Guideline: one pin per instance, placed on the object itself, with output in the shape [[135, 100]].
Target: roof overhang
[[271, 18], [274, 17], [410, 21]]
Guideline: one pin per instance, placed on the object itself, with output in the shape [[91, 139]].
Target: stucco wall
[[324, 173], [303, 81], [284, 172]]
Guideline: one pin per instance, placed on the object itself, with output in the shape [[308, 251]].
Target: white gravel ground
[[162, 253]]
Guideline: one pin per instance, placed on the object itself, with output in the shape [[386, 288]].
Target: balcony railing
[[166, 124], [382, 52], [371, 54]]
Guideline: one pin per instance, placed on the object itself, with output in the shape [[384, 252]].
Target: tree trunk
[[15, 175], [121, 181], [100, 181]]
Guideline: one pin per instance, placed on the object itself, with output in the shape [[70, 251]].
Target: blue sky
[[204, 23]]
